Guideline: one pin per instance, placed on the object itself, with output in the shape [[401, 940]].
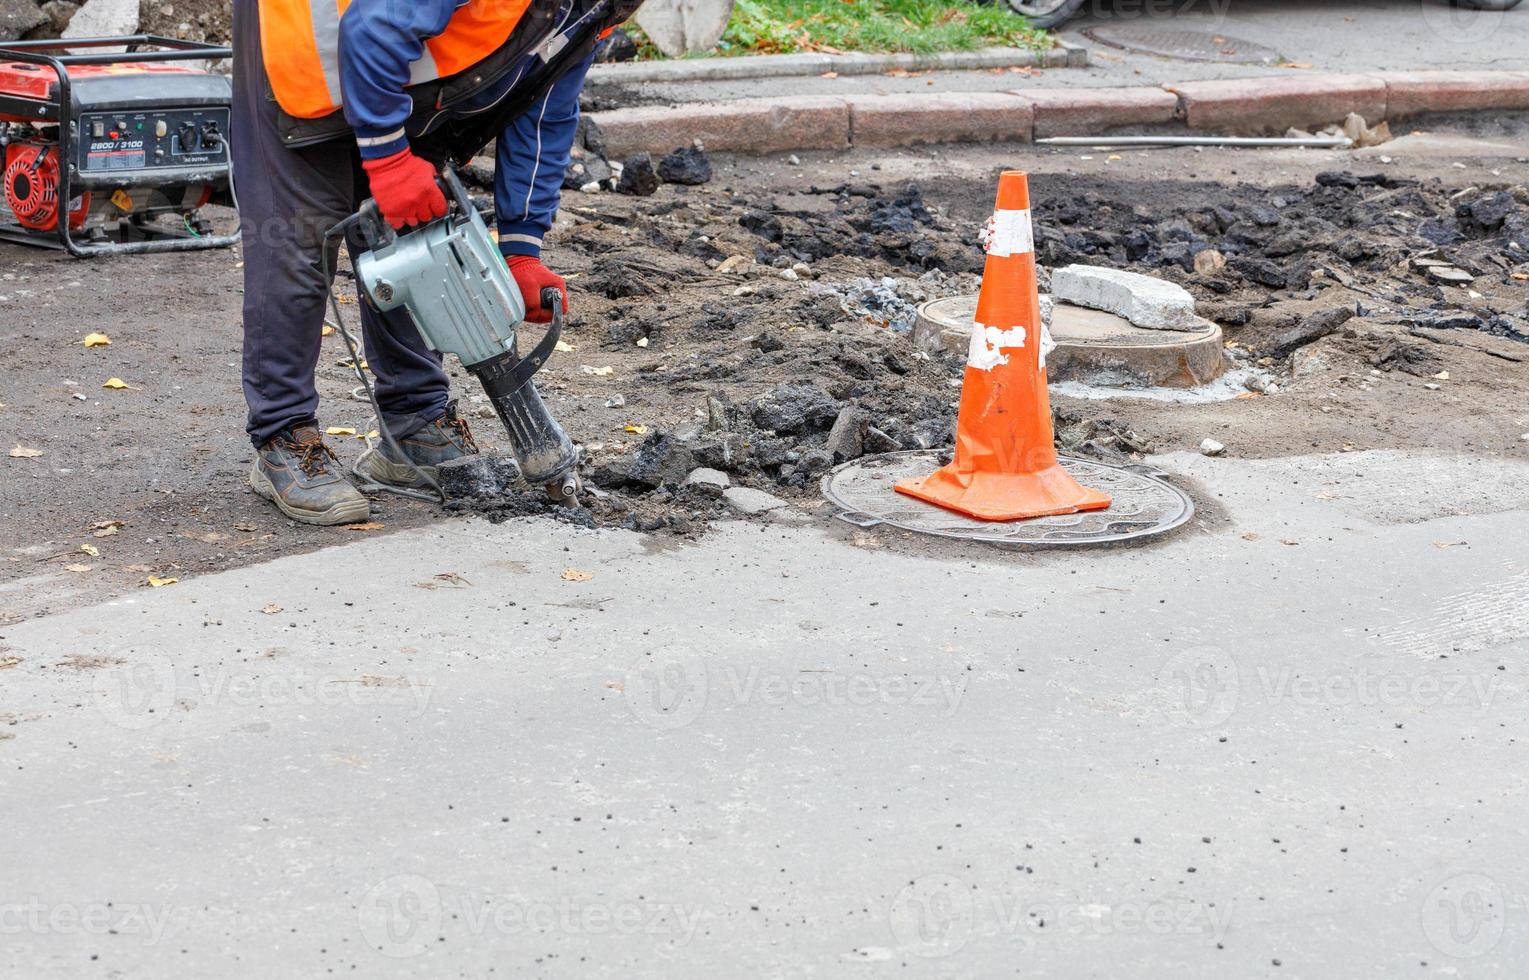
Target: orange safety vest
[[301, 42]]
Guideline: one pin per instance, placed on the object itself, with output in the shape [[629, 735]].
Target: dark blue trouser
[[287, 200]]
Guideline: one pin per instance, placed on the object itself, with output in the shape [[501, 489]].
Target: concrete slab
[[1284, 737], [1146, 301]]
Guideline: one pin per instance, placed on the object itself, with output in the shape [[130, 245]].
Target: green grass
[[832, 26]]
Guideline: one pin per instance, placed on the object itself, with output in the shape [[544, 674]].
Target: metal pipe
[[1111, 142]]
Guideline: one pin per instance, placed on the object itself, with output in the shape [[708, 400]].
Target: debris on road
[[686, 165]]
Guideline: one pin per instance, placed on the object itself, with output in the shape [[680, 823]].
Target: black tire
[[1050, 13], [1493, 4]]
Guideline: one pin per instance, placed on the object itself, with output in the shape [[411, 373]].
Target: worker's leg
[[411, 385], [287, 199]]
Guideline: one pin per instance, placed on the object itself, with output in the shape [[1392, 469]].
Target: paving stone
[[1149, 303]]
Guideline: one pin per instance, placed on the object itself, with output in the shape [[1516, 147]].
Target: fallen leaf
[[615, 685], [444, 580], [564, 347], [576, 575], [367, 526], [1289, 541], [6, 663], [340, 430], [154, 581], [1450, 544], [96, 340], [116, 384], [638, 429], [601, 372], [76, 568], [246, 526], [1251, 536], [81, 661], [270, 609], [103, 525], [1294, 64], [91, 550], [829, 74], [107, 531], [382, 680], [22, 452], [1521, 276], [327, 331]]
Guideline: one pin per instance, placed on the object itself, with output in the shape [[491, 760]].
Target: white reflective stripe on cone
[[1012, 234], [988, 344], [1047, 344]]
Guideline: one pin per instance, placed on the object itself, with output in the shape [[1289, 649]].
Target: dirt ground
[[731, 324]]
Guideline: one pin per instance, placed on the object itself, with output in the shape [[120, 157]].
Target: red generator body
[[113, 145]]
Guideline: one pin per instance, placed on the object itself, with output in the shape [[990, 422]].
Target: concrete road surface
[[1287, 743]]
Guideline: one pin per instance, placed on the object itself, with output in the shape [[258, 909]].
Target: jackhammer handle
[[375, 230], [552, 299]]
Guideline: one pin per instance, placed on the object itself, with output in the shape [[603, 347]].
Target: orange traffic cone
[[1005, 466]]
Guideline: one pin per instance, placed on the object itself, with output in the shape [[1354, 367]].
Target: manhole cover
[[1183, 44], [1143, 506]]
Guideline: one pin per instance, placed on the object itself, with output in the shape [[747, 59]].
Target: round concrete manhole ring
[[1186, 45], [1093, 347], [1144, 506]]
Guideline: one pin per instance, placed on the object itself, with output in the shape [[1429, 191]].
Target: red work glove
[[532, 277], [404, 188]]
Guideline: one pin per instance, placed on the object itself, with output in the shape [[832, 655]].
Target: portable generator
[[112, 151]]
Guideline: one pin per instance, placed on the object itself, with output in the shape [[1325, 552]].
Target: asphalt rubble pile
[[786, 333], [1400, 244], [761, 341]]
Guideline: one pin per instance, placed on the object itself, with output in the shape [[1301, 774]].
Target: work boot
[[301, 476], [446, 438]]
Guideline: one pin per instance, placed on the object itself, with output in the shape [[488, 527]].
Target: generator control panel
[[153, 139]]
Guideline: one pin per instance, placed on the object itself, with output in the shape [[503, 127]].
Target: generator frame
[[36, 52]]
